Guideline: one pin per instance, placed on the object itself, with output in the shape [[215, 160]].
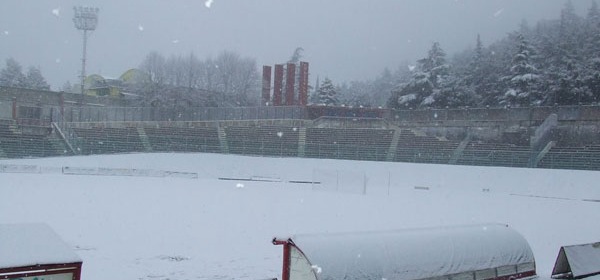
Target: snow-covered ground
[[127, 227]]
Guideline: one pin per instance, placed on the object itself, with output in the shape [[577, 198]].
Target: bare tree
[[155, 66]]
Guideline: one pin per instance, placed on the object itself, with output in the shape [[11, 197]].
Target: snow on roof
[[577, 261], [414, 254], [32, 244]]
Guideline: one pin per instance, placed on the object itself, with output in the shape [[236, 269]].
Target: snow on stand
[[35, 251], [490, 251]]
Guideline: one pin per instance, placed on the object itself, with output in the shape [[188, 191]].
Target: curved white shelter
[[492, 251]]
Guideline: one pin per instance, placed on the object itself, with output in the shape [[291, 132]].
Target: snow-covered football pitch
[[212, 216]]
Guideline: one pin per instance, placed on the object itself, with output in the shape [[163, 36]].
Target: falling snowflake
[[175, 41], [316, 269], [411, 67], [239, 185], [56, 12], [499, 12], [279, 134], [140, 27], [5, 32], [208, 3], [57, 60]]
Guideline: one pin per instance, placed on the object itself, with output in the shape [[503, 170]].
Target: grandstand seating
[[108, 140], [183, 139], [581, 158], [278, 139], [348, 143], [495, 154], [424, 149], [16, 143], [263, 140]]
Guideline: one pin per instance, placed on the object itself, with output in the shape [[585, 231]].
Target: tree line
[[226, 80], [12, 76], [554, 62]]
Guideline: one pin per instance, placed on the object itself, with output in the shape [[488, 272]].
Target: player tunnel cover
[[36, 252], [492, 251], [577, 261]]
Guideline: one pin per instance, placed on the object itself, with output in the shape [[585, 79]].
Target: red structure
[[290, 84], [266, 86], [278, 85], [303, 84], [289, 97]]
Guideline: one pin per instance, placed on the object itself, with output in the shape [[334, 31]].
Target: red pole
[[290, 83], [303, 86], [285, 272], [266, 85], [278, 85]]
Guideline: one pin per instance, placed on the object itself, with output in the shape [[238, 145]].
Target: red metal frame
[[290, 84], [285, 271], [38, 270], [278, 85], [303, 84], [266, 85]]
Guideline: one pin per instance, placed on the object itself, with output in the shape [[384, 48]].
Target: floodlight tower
[[86, 19]]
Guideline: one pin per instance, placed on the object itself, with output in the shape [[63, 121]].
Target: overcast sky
[[343, 39]]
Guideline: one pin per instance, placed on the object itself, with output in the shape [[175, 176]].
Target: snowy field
[[203, 227]]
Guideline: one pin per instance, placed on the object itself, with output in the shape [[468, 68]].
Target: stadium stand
[[581, 158], [108, 140], [18, 141], [348, 143], [494, 154], [424, 149], [565, 137], [263, 140], [183, 139]]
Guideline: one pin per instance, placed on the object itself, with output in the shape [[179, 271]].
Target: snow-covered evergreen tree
[[356, 94], [591, 53], [12, 75], [565, 72], [327, 93], [473, 77], [382, 86], [523, 81], [35, 80], [314, 95], [427, 85]]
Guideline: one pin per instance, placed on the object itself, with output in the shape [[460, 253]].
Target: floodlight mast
[[85, 19]]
